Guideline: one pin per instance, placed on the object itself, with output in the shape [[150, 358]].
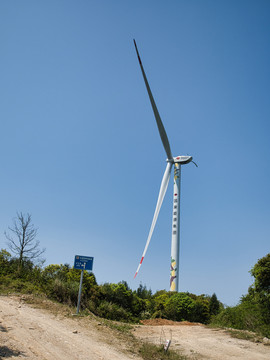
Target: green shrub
[[112, 311], [214, 305], [179, 307], [200, 312], [64, 292], [153, 352], [253, 312], [245, 316], [5, 258]]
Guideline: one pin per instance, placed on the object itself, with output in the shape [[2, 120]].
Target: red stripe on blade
[[141, 260]]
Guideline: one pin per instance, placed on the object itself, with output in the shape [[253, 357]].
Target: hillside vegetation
[[119, 302], [253, 311]]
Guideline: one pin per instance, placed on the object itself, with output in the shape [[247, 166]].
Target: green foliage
[[111, 301], [245, 316], [214, 306], [253, 311], [201, 311], [244, 335], [143, 293], [261, 273], [179, 307], [112, 311], [120, 295], [159, 305], [64, 292], [27, 280], [56, 272], [117, 293], [5, 257], [119, 326], [62, 284], [154, 352]]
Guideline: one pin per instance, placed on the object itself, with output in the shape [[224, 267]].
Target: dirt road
[[44, 334], [36, 334], [200, 342]]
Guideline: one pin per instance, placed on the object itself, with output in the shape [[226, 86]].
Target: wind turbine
[[177, 162]]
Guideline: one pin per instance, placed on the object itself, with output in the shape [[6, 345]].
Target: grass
[[154, 352], [245, 335], [239, 334], [119, 326]]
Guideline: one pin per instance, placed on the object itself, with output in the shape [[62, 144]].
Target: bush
[[214, 305], [64, 292], [5, 258], [245, 316], [253, 312], [200, 311], [261, 273], [112, 311], [179, 307]]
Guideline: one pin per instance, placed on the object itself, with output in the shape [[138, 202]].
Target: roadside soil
[[52, 333], [44, 330], [200, 342]]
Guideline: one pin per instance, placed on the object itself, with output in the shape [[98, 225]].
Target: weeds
[[121, 327], [154, 352], [244, 335]]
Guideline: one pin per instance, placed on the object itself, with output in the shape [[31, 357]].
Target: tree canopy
[[261, 273]]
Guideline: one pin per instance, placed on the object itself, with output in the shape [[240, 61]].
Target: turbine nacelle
[[184, 159]]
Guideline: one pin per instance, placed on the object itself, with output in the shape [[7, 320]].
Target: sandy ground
[[200, 342], [31, 333], [44, 334]]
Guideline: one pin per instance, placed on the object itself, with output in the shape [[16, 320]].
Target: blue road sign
[[83, 262]]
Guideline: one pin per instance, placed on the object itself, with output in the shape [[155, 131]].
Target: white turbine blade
[[162, 192], [160, 125]]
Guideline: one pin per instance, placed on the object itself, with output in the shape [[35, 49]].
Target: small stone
[[75, 332]]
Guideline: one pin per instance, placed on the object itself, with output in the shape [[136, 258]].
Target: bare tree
[[22, 239]]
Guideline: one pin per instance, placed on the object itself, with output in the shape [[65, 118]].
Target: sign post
[[80, 293], [82, 263]]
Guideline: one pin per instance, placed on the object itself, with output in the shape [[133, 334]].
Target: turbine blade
[[162, 192], [161, 128]]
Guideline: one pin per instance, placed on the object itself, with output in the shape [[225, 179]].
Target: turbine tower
[[177, 162]]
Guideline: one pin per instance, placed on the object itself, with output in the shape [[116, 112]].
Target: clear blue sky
[[80, 150]]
